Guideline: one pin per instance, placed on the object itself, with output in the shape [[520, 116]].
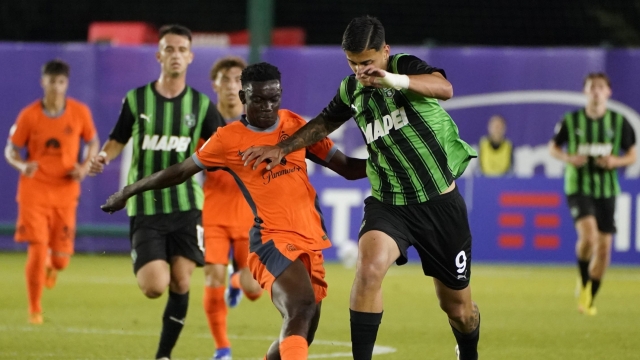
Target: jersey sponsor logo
[[378, 128], [388, 92], [271, 174], [189, 120], [166, 143], [595, 150], [52, 143], [145, 117]]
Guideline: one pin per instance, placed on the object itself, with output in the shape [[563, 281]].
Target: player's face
[[262, 100], [227, 85], [597, 91], [377, 58], [54, 85], [174, 54], [497, 128]]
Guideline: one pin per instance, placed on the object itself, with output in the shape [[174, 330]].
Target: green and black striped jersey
[[164, 132], [415, 150], [593, 138]]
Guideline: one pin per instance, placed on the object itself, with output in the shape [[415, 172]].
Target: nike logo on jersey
[[166, 143], [381, 127], [145, 117]]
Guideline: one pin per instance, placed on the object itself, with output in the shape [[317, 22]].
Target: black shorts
[[602, 209], [438, 229], [162, 236]]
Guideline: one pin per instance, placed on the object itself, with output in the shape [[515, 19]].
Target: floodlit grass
[[97, 312]]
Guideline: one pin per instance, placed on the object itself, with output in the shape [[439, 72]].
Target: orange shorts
[[218, 241], [271, 259], [54, 226]]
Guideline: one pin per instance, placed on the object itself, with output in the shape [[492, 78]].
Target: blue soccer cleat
[[222, 354]]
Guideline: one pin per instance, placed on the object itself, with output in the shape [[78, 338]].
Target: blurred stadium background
[[525, 60]]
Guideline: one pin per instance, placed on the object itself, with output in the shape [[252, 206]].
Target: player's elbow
[[446, 92]]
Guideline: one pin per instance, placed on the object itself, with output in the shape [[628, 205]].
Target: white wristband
[[396, 81], [103, 154]]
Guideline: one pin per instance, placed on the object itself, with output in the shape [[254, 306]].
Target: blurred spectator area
[[135, 32], [455, 22]]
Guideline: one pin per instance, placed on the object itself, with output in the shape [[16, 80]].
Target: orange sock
[[34, 272], [294, 347], [60, 262], [235, 280], [216, 311]]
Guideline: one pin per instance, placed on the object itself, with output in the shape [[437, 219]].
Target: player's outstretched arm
[[173, 175], [345, 166], [312, 132]]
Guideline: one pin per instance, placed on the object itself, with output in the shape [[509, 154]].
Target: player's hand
[[577, 160], [79, 172], [608, 162], [97, 164], [115, 202], [371, 75], [29, 169], [271, 154]]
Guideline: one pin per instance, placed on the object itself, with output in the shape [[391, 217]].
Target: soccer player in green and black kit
[[415, 154], [594, 138], [165, 120]]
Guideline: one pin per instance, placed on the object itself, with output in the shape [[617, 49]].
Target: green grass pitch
[[97, 312]]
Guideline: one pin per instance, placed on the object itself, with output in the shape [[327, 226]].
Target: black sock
[[172, 322], [583, 266], [364, 330], [595, 285], [468, 343]]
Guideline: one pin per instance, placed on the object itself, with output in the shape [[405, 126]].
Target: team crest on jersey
[[611, 134], [388, 92], [189, 120]]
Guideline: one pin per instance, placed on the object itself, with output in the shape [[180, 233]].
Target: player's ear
[[242, 96], [158, 56]]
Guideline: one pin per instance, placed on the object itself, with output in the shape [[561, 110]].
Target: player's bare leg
[[215, 307], [587, 230], [153, 279], [464, 318], [377, 252], [293, 296]]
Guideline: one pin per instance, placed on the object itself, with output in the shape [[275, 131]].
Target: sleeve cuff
[[332, 152], [198, 162]]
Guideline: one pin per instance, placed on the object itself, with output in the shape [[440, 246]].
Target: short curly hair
[[259, 72]]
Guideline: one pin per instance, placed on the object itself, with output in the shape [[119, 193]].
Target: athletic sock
[[595, 285], [364, 330], [173, 319], [216, 311], [468, 343], [583, 266], [294, 347], [34, 273]]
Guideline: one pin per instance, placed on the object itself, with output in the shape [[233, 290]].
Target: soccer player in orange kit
[[227, 219], [49, 187], [288, 235]]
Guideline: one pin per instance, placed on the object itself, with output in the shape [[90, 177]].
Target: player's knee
[[370, 272], [152, 292], [457, 312], [303, 310], [60, 262]]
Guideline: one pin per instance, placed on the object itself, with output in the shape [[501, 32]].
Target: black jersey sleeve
[[561, 136], [628, 138], [124, 127], [337, 111], [412, 65], [212, 121]]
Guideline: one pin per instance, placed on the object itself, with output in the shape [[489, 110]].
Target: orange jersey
[[224, 204], [54, 143], [282, 199]]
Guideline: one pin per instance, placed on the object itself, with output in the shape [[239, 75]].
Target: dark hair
[[259, 72], [56, 67], [176, 30], [225, 63], [597, 75], [363, 33]]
